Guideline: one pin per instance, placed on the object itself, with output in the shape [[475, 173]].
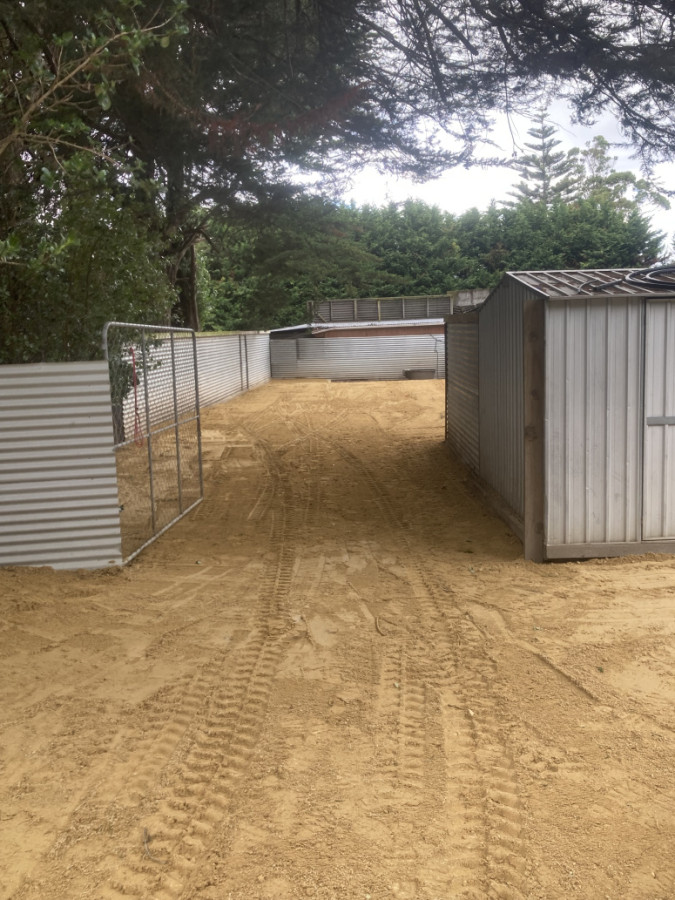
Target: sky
[[460, 189]]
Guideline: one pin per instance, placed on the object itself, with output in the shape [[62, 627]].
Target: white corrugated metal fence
[[462, 420], [58, 483], [358, 358]]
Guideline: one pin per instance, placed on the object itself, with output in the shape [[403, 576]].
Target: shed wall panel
[[593, 420], [462, 418], [58, 484], [501, 393], [659, 417], [366, 359]]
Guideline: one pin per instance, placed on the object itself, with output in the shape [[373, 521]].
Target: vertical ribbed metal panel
[[219, 367], [462, 421], [659, 418], [593, 420], [358, 359], [284, 358], [222, 361], [258, 355], [58, 483], [501, 393], [160, 363]]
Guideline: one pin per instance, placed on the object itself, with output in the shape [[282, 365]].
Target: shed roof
[[586, 282], [316, 327], [382, 323]]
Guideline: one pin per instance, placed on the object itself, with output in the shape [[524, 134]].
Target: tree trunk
[[186, 310]]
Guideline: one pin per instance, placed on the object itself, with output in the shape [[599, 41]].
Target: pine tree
[[547, 174]]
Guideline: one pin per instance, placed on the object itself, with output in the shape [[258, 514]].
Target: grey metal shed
[[560, 396]]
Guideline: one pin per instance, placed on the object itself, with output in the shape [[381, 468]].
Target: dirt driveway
[[338, 678]]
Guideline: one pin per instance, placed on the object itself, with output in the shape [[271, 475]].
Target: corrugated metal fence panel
[[222, 361], [160, 385], [58, 482], [501, 393], [593, 423], [258, 357], [284, 359], [462, 420], [367, 359], [219, 368]]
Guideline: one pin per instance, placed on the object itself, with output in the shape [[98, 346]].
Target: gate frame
[[153, 329]]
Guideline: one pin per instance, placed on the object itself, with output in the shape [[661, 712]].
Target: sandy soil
[[337, 678]]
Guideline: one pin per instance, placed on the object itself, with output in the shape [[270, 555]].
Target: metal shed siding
[[383, 358], [58, 481], [501, 393], [659, 417], [593, 420], [462, 419]]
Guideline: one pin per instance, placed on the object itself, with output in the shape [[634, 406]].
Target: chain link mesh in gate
[[155, 405]]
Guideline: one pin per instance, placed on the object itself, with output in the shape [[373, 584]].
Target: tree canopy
[[265, 276], [182, 114]]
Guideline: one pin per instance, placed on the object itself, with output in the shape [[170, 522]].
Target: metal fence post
[[199, 415], [176, 424], [148, 430]]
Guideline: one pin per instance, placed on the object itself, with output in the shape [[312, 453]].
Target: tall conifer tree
[[547, 173]]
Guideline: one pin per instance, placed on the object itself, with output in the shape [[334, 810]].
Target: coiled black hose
[[651, 278]]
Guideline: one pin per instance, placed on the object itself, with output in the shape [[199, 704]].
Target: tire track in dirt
[[200, 787], [199, 735], [454, 661], [478, 785], [410, 718], [187, 774], [207, 780]]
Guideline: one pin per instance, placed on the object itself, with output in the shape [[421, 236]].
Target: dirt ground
[[337, 678]]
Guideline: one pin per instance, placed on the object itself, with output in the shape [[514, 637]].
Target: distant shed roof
[[585, 282], [318, 327], [383, 323]]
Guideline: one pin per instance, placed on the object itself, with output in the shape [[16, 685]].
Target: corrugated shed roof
[[383, 323], [586, 282]]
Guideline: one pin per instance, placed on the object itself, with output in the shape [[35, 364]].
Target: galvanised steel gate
[[156, 425]]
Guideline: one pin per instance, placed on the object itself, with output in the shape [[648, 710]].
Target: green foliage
[[266, 265], [547, 174], [265, 268], [80, 252], [191, 111]]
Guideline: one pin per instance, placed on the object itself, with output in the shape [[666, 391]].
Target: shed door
[[658, 511]]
